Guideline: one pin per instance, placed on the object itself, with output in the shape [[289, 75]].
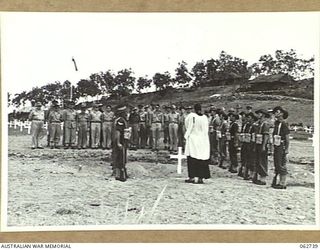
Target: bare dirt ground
[[74, 187]]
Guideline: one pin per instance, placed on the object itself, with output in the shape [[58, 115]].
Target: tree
[[183, 76], [162, 81], [143, 83], [199, 71], [284, 62], [87, 87], [123, 83]]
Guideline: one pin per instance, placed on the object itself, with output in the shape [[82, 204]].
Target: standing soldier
[[55, 119], [149, 139], [281, 147], [37, 118], [46, 118], [243, 144], [157, 122], [82, 126], [262, 138], [166, 139], [181, 128], [107, 119], [233, 142], [95, 124], [222, 140], [119, 144], [173, 129], [70, 126], [142, 127], [214, 123], [134, 120]]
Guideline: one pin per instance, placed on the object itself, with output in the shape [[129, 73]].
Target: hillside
[[300, 109]]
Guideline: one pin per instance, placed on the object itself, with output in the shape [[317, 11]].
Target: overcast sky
[[36, 48]]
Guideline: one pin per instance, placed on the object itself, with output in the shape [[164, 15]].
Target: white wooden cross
[[308, 130], [295, 128], [180, 156]]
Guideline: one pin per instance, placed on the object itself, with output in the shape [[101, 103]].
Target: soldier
[[149, 139], [248, 109], [70, 125], [214, 123], [46, 116], [166, 139], [82, 119], [134, 120], [142, 127], [107, 118], [119, 144], [243, 145], [173, 129], [157, 122], [95, 124], [233, 142], [55, 119], [37, 118], [262, 137], [221, 137], [181, 127], [281, 147]]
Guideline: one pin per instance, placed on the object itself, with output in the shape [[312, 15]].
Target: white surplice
[[197, 137]]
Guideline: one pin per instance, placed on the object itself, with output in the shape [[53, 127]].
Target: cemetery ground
[[57, 187]]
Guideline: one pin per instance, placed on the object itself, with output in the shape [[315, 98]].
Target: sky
[[37, 48]]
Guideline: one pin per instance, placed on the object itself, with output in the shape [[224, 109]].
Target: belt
[[37, 120], [107, 121], [156, 122], [173, 123], [95, 122], [70, 120], [56, 122]]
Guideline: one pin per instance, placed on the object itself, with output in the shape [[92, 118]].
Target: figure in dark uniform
[[119, 144], [281, 147], [233, 143]]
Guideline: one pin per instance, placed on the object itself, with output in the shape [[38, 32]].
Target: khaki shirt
[[95, 116], [107, 116], [36, 115], [82, 117], [55, 116], [157, 117], [174, 118]]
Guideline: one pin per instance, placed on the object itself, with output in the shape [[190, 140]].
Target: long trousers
[[142, 135], [134, 135], [95, 134], [156, 128], [82, 135], [36, 133], [106, 134], [55, 133], [173, 134]]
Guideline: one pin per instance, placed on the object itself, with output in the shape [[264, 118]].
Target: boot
[[282, 183], [240, 171], [274, 180], [254, 177], [245, 173]]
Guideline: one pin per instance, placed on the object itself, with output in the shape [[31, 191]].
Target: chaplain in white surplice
[[197, 147]]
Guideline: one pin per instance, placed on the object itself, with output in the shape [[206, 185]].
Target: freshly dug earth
[[74, 187]]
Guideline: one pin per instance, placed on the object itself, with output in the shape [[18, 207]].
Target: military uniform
[[134, 120], [95, 124], [107, 120], [233, 145], [142, 129], [181, 130], [149, 138], [222, 141], [55, 119], [173, 130], [37, 118], [214, 123], [166, 138], [70, 126], [82, 121], [157, 121]]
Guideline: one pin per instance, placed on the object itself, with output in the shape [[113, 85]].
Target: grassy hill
[[300, 109]]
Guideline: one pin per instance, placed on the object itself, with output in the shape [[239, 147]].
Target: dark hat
[[242, 113], [54, 102], [235, 115], [71, 103], [249, 107], [140, 106], [147, 106], [238, 106], [285, 112], [38, 104], [264, 112], [251, 114]]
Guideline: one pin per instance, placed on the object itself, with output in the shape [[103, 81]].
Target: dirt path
[[72, 187]]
